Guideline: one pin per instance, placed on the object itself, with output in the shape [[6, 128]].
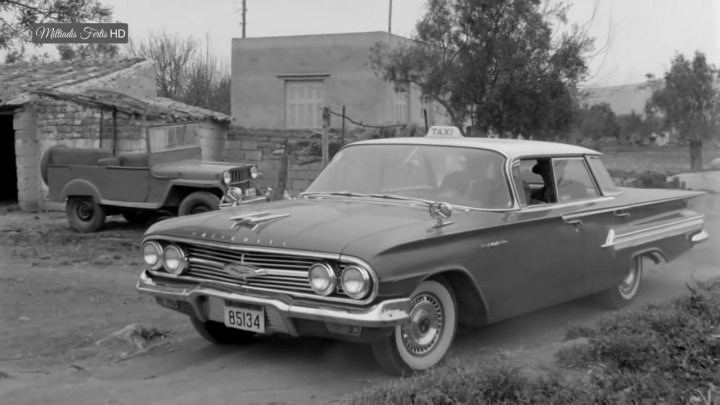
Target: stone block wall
[[264, 148], [27, 159]]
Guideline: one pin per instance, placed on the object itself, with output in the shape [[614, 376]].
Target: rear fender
[[80, 188]]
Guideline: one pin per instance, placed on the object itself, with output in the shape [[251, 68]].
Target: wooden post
[[279, 191], [325, 135], [102, 116], [342, 133], [244, 18], [427, 128], [114, 133]]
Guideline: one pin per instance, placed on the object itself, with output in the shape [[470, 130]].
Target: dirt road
[[60, 294]]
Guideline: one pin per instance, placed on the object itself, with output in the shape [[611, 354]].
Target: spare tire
[[45, 162]]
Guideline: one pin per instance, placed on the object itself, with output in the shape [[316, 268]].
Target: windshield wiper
[[401, 198], [334, 193]]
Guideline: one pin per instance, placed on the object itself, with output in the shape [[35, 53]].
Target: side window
[[573, 180], [605, 181], [534, 181]]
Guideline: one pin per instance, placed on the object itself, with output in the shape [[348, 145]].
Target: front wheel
[[425, 339], [84, 214], [628, 288], [198, 202], [219, 334]]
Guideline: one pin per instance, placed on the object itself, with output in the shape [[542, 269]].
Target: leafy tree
[[87, 51], [688, 100], [17, 17], [630, 127], [598, 121], [500, 64]]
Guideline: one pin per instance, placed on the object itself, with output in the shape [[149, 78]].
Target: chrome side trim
[[627, 206], [701, 236], [383, 314], [638, 237], [318, 255]]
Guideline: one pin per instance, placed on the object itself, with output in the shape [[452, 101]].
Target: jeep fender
[[177, 189], [79, 187]]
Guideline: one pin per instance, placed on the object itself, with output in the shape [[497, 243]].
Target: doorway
[[8, 167]]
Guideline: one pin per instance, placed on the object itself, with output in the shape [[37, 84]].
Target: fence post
[[326, 128], [342, 133]]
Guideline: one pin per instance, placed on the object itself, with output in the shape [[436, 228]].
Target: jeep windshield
[[459, 176], [165, 138]]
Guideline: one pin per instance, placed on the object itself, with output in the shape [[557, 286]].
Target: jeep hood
[[193, 169], [356, 227]]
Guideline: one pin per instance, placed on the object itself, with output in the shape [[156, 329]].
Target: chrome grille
[[239, 176], [282, 272]]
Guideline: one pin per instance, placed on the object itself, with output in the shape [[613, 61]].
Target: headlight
[[322, 278], [152, 254], [226, 177], [253, 172], [174, 260], [355, 282]]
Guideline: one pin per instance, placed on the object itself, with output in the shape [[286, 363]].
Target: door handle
[[622, 214], [577, 223]]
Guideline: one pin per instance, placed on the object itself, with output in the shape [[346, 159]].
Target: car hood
[[193, 169], [353, 226]]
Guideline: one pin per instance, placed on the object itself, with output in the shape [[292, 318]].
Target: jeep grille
[[240, 177]]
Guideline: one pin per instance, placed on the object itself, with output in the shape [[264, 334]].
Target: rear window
[[604, 180]]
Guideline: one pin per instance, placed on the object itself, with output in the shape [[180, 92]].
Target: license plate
[[251, 192], [245, 319]]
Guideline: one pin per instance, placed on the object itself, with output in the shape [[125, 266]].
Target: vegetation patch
[[663, 353]]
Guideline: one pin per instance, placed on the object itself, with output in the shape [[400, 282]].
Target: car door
[[560, 249]]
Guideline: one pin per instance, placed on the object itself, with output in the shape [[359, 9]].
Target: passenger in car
[[546, 194]]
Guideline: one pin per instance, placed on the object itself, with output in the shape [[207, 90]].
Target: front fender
[[79, 187]]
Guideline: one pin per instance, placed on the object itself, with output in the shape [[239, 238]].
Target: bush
[[666, 353]]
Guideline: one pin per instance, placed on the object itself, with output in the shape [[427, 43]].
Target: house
[[110, 104], [283, 82]]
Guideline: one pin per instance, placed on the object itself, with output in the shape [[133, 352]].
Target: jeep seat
[[134, 160], [59, 155]]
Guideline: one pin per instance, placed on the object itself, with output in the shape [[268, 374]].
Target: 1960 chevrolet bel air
[[398, 241]]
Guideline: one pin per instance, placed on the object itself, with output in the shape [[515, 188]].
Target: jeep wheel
[[84, 214], [424, 340], [198, 202], [219, 334]]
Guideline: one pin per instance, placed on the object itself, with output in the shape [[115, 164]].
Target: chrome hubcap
[[422, 332], [85, 211], [628, 285]]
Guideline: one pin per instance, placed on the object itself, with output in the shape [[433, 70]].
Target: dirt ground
[[63, 295]]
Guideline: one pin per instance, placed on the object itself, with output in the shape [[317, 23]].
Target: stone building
[[86, 104]]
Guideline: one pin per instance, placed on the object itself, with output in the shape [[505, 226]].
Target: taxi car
[[401, 240]]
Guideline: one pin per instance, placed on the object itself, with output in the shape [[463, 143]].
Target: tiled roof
[[18, 78], [153, 108]]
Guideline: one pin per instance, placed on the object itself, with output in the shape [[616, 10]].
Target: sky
[[633, 37]]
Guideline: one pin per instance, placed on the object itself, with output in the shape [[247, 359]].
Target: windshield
[[172, 137], [459, 176]]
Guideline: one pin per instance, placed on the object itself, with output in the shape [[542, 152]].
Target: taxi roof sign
[[444, 132]]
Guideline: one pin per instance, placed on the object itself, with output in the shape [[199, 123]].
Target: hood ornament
[[253, 219], [441, 211]]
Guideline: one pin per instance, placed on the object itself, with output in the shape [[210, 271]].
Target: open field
[[666, 160]]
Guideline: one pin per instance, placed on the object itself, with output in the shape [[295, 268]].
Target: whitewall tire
[[628, 288], [425, 339]]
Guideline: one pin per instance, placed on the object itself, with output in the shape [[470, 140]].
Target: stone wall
[[264, 148], [27, 159]]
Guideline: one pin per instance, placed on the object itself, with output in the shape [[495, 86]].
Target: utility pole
[[390, 22], [244, 12]]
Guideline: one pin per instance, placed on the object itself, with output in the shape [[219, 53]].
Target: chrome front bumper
[[384, 314]]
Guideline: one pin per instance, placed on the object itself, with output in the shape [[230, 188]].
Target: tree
[[186, 74], [171, 56], [630, 127], [87, 51], [17, 17], [598, 121], [500, 64], [687, 100]]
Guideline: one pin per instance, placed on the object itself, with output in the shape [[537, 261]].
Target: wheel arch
[[653, 253], [177, 192], [80, 188], [472, 307]]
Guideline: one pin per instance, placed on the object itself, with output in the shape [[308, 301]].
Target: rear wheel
[[628, 288], [85, 214], [219, 334], [198, 202], [424, 340]]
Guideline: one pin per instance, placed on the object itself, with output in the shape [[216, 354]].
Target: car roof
[[512, 148]]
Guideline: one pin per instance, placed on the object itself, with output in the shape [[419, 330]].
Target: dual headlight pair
[[227, 176], [355, 281], [172, 257]]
